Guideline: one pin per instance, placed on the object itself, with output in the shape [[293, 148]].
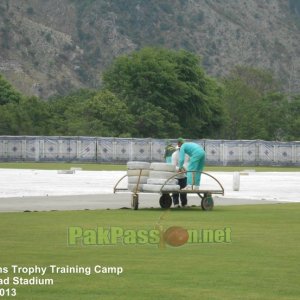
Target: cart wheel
[[135, 201], [165, 201], [207, 202]]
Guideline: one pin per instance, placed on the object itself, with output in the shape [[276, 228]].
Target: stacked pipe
[[138, 173], [158, 177]]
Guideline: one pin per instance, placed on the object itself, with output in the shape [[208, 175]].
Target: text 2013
[[8, 292]]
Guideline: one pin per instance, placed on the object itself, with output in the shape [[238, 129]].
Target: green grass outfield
[[112, 167], [261, 261]]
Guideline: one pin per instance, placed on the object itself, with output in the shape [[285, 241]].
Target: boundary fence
[[121, 150]]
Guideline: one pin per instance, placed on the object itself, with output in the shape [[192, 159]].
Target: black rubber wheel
[[135, 201], [207, 202], [165, 201]]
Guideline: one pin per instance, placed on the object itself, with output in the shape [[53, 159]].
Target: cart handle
[[184, 172], [115, 187], [126, 175]]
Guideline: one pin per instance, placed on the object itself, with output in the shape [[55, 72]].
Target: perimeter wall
[[121, 150]]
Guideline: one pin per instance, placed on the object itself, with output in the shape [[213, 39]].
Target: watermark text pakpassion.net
[[174, 236]]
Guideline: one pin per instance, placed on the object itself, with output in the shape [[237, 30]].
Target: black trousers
[[183, 198]]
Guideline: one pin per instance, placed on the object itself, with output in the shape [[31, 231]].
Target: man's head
[[180, 141]]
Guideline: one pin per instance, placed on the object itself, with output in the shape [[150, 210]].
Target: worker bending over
[[196, 162]]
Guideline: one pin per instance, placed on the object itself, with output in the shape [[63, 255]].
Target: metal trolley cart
[[165, 200]]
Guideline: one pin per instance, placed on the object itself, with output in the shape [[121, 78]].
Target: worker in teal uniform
[[196, 162]]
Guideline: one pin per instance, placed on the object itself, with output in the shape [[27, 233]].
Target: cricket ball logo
[[174, 236]]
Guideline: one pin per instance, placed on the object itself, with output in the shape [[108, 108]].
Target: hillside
[[50, 47]]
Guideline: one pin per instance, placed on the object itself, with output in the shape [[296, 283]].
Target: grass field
[[262, 261], [111, 167]]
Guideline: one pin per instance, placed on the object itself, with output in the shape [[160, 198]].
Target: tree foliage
[[94, 113], [171, 83], [106, 115], [255, 108], [161, 94], [66, 113], [8, 94], [294, 118]]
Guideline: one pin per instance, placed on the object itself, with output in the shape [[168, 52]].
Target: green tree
[[254, 110], [151, 120], [169, 84], [28, 117], [86, 112], [67, 113], [8, 93], [274, 113], [294, 118], [8, 119], [106, 115], [33, 116]]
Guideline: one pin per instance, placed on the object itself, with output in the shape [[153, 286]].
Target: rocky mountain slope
[[50, 47]]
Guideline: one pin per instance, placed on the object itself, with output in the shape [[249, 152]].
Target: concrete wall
[[121, 150]]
